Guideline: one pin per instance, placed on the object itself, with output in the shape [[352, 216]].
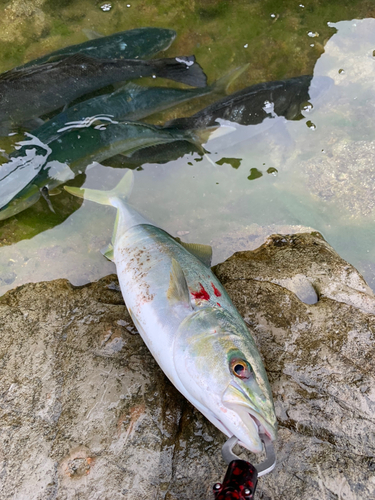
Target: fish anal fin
[[201, 252], [178, 291], [108, 252]]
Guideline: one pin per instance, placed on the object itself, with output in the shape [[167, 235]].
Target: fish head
[[220, 368]]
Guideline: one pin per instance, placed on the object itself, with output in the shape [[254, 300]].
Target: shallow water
[[280, 176]]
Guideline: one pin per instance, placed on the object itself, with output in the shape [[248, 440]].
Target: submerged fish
[[17, 174], [31, 92], [250, 106], [130, 102], [41, 165], [130, 44], [189, 323], [161, 153]]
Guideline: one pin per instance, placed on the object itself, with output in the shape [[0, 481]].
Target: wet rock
[[249, 237], [87, 413], [320, 361], [84, 408]]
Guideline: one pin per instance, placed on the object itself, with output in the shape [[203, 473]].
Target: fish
[[160, 153], [252, 105], [130, 102], [28, 93], [234, 123], [23, 177], [17, 174], [188, 321], [130, 44]]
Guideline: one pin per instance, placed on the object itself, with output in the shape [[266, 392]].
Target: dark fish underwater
[[249, 106], [132, 144], [129, 44], [129, 102], [23, 178], [245, 107], [34, 91]]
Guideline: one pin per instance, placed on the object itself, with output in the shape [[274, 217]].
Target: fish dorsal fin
[[108, 252], [201, 252], [178, 291]]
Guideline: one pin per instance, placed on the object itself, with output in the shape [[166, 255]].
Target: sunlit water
[[315, 173]]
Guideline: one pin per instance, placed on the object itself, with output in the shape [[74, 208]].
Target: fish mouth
[[261, 424], [236, 400], [253, 420]]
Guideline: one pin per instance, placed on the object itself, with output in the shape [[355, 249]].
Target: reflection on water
[[279, 175]]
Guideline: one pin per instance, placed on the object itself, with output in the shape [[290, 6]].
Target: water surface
[[280, 176]]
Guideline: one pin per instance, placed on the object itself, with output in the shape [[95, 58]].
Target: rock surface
[[86, 412], [320, 362]]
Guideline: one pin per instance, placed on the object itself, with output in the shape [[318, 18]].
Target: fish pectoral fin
[[108, 252], [44, 192], [201, 252], [223, 84], [178, 291]]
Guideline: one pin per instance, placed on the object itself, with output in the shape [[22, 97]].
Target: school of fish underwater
[[208, 124], [234, 130]]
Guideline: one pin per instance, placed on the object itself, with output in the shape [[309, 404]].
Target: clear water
[[315, 173]]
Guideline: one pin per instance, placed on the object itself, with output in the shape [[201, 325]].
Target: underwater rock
[[18, 12], [344, 177], [87, 412]]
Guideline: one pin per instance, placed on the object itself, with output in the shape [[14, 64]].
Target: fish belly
[[143, 257]]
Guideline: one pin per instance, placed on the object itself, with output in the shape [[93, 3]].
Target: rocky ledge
[[86, 412]]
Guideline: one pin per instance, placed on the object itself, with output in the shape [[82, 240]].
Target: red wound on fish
[[216, 291], [201, 295], [218, 304]]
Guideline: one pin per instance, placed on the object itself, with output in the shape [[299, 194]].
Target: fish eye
[[241, 368]]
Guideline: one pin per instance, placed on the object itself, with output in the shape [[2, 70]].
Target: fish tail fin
[[202, 135], [182, 69], [121, 191], [223, 83], [198, 138]]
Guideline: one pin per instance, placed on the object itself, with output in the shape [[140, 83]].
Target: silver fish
[[188, 322]]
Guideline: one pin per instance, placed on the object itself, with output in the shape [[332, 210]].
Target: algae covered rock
[[86, 412]]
